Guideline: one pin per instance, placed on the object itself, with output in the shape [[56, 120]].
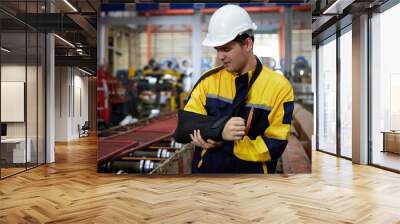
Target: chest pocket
[[217, 106], [259, 121]]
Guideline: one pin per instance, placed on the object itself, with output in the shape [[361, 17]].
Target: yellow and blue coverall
[[272, 99]]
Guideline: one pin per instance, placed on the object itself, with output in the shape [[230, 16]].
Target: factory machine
[[145, 147]]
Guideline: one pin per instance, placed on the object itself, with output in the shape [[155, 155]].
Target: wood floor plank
[[70, 191]]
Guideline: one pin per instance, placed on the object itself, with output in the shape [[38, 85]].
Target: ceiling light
[[5, 49], [70, 5], [337, 7], [333, 6], [84, 71], [65, 41]]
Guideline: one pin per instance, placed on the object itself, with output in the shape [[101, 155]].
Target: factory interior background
[[90, 90], [147, 73]]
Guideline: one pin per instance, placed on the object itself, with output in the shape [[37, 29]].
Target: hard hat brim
[[212, 43]]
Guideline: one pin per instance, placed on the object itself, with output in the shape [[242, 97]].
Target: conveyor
[[146, 147]]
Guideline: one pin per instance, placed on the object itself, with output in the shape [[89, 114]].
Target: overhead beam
[[153, 20], [43, 22], [320, 22], [84, 61], [337, 6], [84, 24]]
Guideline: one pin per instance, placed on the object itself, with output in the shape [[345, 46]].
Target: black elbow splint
[[210, 127]]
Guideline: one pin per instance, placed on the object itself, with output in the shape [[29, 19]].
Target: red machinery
[[106, 87], [138, 149]]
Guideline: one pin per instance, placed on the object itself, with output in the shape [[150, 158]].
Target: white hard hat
[[226, 23]]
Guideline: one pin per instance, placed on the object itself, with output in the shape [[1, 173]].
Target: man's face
[[233, 55]]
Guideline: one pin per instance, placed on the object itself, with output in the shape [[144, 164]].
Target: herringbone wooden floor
[[70, 191]]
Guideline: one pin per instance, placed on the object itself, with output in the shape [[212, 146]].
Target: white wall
[[12, 73], [71, 94], [61, 103], [80, 111], [33, 126]]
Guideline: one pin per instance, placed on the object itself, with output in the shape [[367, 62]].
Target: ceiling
[[329, 13], [73, 20]]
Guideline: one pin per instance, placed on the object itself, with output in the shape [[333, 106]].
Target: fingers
[[237, 123], [238, 133], [237, 128], [234, 129], [191, 137], [195, 139], [237, 119], [201, 140]]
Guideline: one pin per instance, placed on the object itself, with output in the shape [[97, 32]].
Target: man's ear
[[249, 44]]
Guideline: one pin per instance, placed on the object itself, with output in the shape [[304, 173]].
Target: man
[[255, 134]]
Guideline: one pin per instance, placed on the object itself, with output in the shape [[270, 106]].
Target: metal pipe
[[149, 31], [130, 166], [160, 153], [176, 145]]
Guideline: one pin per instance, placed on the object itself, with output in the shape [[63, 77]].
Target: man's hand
[[234, 129], [199, 141]]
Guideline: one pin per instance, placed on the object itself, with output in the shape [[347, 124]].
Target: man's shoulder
[[276, 79], [206, 75], [212, 71]]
